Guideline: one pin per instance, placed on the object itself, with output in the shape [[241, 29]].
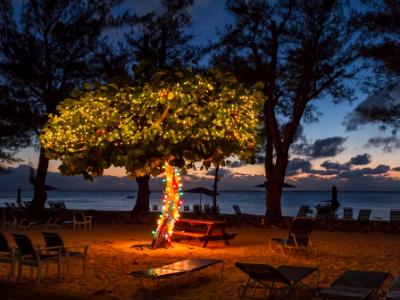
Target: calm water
[[249, 202]]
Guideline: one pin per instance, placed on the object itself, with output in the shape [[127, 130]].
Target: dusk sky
[[333, 154]]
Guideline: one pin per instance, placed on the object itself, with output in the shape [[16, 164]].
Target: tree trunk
[[215, 187], [275, 179], [143, 196], [40, 194]]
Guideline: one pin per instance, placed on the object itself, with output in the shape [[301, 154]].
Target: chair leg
[[84, 266], [19, 272], [38, 273], [59, 268], [12, 271]]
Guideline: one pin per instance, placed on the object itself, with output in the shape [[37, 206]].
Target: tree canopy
[[188, 119], [301, 51]]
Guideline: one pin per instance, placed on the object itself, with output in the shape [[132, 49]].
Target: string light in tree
[[162, 236]]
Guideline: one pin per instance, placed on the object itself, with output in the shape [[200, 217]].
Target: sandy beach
[[111, 258]]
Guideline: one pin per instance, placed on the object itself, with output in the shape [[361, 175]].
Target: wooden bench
[[204, 230]]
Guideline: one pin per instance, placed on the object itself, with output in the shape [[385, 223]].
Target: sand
[[111, 258]]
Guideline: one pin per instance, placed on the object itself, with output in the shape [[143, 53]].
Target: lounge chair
[[394, 290], [186, 208], [395, 220], [237, 210], [298, 238], [54, 240], [207, 208], [178, 268], [303, 212], [9, 220], [7, 255], [265, 276], [363, 219], [35, 256], [348, 213], [197, 208], [155, 207], [354, 284]]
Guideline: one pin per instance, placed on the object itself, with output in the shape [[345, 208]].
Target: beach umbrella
[[286, 185], [201, 191]]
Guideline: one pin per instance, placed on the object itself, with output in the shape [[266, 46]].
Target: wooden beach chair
[[394, 290], [176, 269], [298, 238], [265, 276], [354, 284], [35, 256], [54, 240], [7, 255]]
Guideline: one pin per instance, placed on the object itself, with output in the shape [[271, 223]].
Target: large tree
[[300, 50], [183, 120], [45, 52], [159, 42]]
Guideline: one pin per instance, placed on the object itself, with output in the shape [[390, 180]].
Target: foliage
[[300, 51], [45, 52], [182, 120]]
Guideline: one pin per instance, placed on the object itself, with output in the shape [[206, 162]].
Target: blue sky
[[209, 14]]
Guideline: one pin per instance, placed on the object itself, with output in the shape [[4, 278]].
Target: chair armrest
[[88, 218], [76, 246]]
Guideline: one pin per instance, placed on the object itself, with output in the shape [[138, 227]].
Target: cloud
[[388, 143], [328, 147], [298, 165], [329, 165], [397, 169], [361, 159], [379, 170], [388, 98]]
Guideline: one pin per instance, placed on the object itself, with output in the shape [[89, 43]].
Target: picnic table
[[204, 230]]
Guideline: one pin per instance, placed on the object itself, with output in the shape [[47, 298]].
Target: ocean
[[250, 202]]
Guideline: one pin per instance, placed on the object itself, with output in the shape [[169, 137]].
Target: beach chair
[[395, 220], [265, 276], [354, 284], [197, 208], [394, 290], [363, 219], [303, 211], [35, 256], [348, 213], [237, 210], [9, 220], [7, 255], [298, 238], [54, 240], [176, 269], [80, 220]]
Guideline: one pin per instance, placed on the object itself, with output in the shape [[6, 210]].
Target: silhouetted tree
[[300, 51], [45, 52]]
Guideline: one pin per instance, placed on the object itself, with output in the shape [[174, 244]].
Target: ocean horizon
[[251, 202]]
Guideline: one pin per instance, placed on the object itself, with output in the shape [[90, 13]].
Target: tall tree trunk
[[215, 187], [275, 179], [143, 196], [40, 194]]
